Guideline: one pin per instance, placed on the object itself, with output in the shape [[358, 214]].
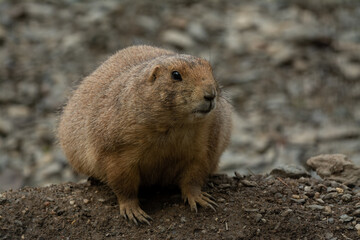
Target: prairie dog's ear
[[154, 73]]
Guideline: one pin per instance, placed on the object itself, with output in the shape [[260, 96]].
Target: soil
[[252, 207]]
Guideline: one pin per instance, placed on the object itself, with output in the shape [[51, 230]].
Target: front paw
[[130, 210], [195, 197]]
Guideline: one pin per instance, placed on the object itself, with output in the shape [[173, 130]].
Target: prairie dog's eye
[[176, 76]]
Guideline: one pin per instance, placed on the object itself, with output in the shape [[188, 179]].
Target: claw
[[134, 220], [131, 211], [203, 199], [209, 196]]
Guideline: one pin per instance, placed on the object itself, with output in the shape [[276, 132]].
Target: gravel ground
[[255, 207], [292, 69]]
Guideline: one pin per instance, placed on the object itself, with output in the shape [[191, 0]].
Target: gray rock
[[336, 167], [315, 207], [6, 126], [346, 218], [290, 171], [18, 111], [197, 31], [283, 55], [330, 189], [303, 34], [258, 217], [357, 227], [278, 195], [151, 24], [303, 137], [39, 10], [177, 38], [329, 235], [286, 212], [301, 200], [327, 210], [248, 183], [351, 70], [330, 195], [346, 197], [331, 133], [50, 169], [356, 213], [27, 92], [7, 92]]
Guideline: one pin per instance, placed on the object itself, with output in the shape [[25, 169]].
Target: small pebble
[[278, 195], [161, 229], [334, 184], [286, 212], [357, 227], [72, 202], [17, 222], [329, 235], [101, 200], [320, 200], [238, 175], [317, 195], [330, 195], [298, 200], [295, 196], [330, 220], [183, 219], [356, 213], [345, 218], [258, 217], [339, 190], [251, 209], [327, 209], [315, 207], [307, 188], [224, 185], [248, 183], [86, 201], [346, 197]]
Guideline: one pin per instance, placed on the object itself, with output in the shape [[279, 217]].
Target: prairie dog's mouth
[[205, 107]]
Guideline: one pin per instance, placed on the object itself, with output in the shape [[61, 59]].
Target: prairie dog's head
[[183, 86]]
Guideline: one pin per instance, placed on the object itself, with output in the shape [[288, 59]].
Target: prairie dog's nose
[[210, 95]]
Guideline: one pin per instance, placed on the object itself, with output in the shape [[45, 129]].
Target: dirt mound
[[254, 207]]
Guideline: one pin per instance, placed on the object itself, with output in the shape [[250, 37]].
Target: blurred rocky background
[[291, 68]]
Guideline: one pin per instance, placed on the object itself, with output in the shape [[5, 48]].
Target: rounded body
[[146, 116]]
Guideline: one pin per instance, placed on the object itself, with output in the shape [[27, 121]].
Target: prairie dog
[[147, 116]]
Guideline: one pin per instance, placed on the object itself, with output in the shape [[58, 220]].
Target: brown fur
[[130, 124]]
